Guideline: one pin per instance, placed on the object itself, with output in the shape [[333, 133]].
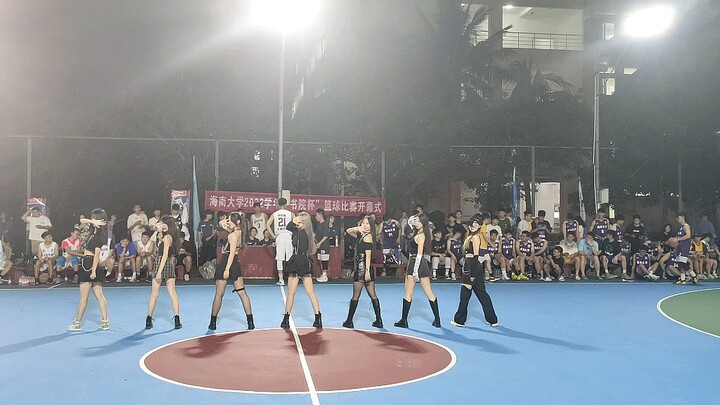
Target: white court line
[[303, 361], [659, 303]]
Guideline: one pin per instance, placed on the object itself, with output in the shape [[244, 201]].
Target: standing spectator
[[504, 221], [47, 252], [71, 256], [277, 225], [145, 254], [126, 254], [5, 261], [570, 226], [180, 222], [525, 225], [333, 231], [258, 219], [705, 226], [206, 233], [37, 225], [459, 226], [449, 226], [619, 227], [137, 223], [571, 254], [4, 227], [589, 252], [322, 240], [682, 251], [118, 229], [635, 233], [541, 226], [154, 220], [600, 225]]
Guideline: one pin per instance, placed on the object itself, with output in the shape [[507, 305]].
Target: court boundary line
[[659, 308], [303, 360]]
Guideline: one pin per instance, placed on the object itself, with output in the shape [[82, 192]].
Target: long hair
[[469, 237], [239, 221], [102, 231], [312, 249], [172, 231], [427, 247], [372, 231]]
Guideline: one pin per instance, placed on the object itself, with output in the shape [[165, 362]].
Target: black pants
[[208, 251], [475, 279]]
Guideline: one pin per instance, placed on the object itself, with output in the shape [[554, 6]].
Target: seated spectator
[[126, 254], [571, 255], [698, 256], [525, 225], [107, 260], [453, 255], [524, 256], [206, 233], [70, 258], [669, 265], [157, 216], [635, 233], [145, 249], [507, 254], [492, 266], [185, 256], [47, 252], [252, 238], [713, 256], [642, 265], [5, 262], [266, 240], [620, 227], [612, 257], [540, 247], [555, 265], [437, 254], [589, 255]]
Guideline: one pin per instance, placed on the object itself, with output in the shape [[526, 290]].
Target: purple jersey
[[539, 245], [571, 228], [507, 247], [456, 248], [389, 235], [642, 259], [493, 248], [683, 247], [601, 227], [525, 247], [625, 247]]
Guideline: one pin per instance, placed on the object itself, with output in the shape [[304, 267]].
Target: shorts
[[74, 261], [359, 273], [299, 265], [84, 271], [323, 255], [283, 247], [235, 271], [423, 268]]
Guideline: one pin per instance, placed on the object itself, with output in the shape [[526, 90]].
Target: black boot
[[250, 322], [148, 322], [378, 318], [285, 324], [178, 325], [213, 323], [318, 321], [436, 312], [351, 313], [402, 323]]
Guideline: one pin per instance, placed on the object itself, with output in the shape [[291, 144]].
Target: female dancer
[[303, 243], [419, 249], [168, 245], [229, 269], [472, 279], [90, 277], [364, 248]]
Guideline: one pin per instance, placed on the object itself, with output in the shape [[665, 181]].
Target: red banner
[[335, 205]]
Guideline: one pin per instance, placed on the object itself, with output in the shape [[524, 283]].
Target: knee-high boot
[[436, 312], [403, 323], [378, 317], [351, 313]]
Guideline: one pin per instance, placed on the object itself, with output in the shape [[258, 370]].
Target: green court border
[[659, 303]]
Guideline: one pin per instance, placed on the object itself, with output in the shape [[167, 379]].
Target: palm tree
[[535, 86]]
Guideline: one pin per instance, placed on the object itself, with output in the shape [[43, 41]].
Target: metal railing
[[538, 40]]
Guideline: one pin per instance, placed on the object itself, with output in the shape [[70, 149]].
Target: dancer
[[90, 276], [168, 245], [277, 226], [229, 269], [298, 266], [364, 248], [472, 279], [419, 249]]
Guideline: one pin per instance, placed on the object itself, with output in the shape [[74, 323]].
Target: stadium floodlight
[[649, 22], [285, 15]]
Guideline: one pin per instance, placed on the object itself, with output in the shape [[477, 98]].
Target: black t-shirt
[[610, 249], [332, 233], [460, 228], [299, 238], [559, 261], [438, 246], [636, 232], [95, 241], [189, 248], [206, 228], [322, 231], [253, 242]]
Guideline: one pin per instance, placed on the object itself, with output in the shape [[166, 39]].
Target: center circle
[[267, 361]]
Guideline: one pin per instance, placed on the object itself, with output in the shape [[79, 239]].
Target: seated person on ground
[[555, 265], [437, 254], [643, 266], [47, 252]]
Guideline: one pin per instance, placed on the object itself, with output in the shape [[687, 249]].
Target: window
[[608, 86], [608, 31], [629, 71]]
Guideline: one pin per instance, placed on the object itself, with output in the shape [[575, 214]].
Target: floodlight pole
[[281, 114], [596, 140]]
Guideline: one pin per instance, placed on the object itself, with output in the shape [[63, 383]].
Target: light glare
[[285, 15], [649, 22]]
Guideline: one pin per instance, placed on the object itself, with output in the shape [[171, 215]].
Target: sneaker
[[547, 279], [626, 280], [514, 276], [104, 324], [561, 278], [609, 276], [577, 278], [654, 277], [76, 279], [692, 274], [323, 278], [5, 281], [434, 278], [459, 325], [453, 277], [505, 277], [494, 279], [703, 277], [186, 277], [118, 280], [522, 277], [680, 282], [75, 326], [494, 325], [133, 279], [280, 283]]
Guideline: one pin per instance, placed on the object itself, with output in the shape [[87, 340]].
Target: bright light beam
[[285, 15], [649, 22]]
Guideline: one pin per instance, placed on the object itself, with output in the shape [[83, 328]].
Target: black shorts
[[423, 269], [359, 275], [235, 271], [299, 265], [84, 275]]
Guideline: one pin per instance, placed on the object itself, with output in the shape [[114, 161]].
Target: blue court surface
[[569, 343]]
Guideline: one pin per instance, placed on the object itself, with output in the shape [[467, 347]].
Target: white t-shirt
[[496, 228], [144, 248], [259, 222], [568, 248], [32, 222], [137, 232], [48, 250], [281, 218], [152, 223]]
